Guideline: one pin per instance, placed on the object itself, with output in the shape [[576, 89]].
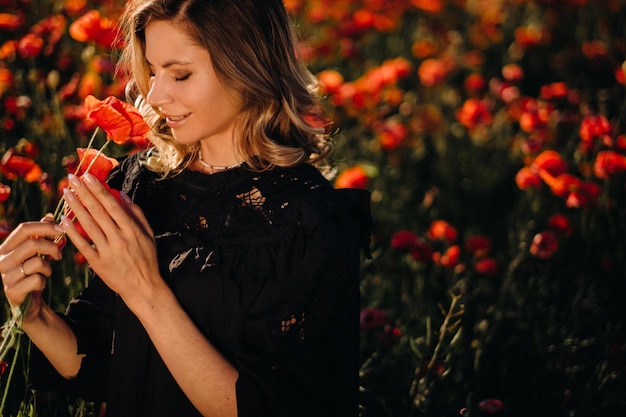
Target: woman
[[226, 282]]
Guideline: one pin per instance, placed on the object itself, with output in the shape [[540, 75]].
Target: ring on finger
[[22, 270]]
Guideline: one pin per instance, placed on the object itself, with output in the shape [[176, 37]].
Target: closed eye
[[182, 77]]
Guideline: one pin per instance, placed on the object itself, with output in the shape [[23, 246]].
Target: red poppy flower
[[609, 163], [98, 165], [94, 161], [442, 230], [30, 46], [14, 166], [120, 120], [404, 240], [6, 79], [5, 193], [355, 177], [550, 161], [94, 27], [393, 134], [560, 224], [474, 112], [330, 81], [544, 244], [9, 21], [583, 194], [486, 266], [560, 185], [450, 258], [432, 72], [478, 245], [430, 6], [527, 179], [592, 128]]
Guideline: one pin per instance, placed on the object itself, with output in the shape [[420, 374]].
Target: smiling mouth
[[177, 118]]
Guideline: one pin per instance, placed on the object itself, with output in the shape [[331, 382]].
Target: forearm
[[206, 378], [56, 340]]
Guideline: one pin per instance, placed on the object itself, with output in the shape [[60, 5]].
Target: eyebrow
[[170, 63]]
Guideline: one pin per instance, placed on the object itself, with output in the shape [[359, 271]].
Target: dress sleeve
[[90, 315], [300, 353], [91, 318]]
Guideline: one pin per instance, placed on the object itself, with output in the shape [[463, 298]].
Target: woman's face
[[185, 89]]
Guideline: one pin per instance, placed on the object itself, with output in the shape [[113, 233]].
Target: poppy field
[[492, 137]]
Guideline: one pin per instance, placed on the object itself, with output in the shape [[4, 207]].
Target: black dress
[[267, 267]]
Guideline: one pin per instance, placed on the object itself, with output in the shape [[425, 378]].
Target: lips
[[176, 121]]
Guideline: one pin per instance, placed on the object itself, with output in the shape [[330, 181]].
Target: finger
[[36, 265], [28, 248], [28, 230], [16, 292], [137, 214], [82, 245], [119, 213], [85, 215]]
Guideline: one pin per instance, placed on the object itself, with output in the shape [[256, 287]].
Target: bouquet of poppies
[[122, 124]]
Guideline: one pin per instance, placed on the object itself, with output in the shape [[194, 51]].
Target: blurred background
[[491, 136]]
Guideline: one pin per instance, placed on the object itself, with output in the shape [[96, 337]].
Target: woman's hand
[[122, 250], [25, 262]]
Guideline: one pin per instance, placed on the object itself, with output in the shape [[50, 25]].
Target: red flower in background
[[431, 6], [404, 240], [393, 134], [30, 46], [486, 266], [432, 72], [450, 258], [608, 164], [355, 177], [473, 113], [560, 224], [442, 230], [550, 161], [16, 166], [94, 27], [10, 21], [5, 193], [592, 129], [120, 120], [527, 179], [330, 81], [478, 245], [544, 244]]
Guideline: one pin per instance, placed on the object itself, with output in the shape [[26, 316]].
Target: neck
[[211, 169]]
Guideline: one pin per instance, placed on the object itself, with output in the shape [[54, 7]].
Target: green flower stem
[[15, 337], [57, 211]]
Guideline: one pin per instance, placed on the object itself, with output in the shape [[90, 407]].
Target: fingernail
[[58, 227], [64, 222], [125, 197], [68, 194], [90, 178], [74, 180]]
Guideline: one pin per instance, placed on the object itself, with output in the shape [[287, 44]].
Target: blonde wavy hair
[[252, 46]]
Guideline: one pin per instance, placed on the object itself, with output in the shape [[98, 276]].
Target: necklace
[[213, 168]]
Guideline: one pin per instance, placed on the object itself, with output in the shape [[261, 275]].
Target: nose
[[158, 94]]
